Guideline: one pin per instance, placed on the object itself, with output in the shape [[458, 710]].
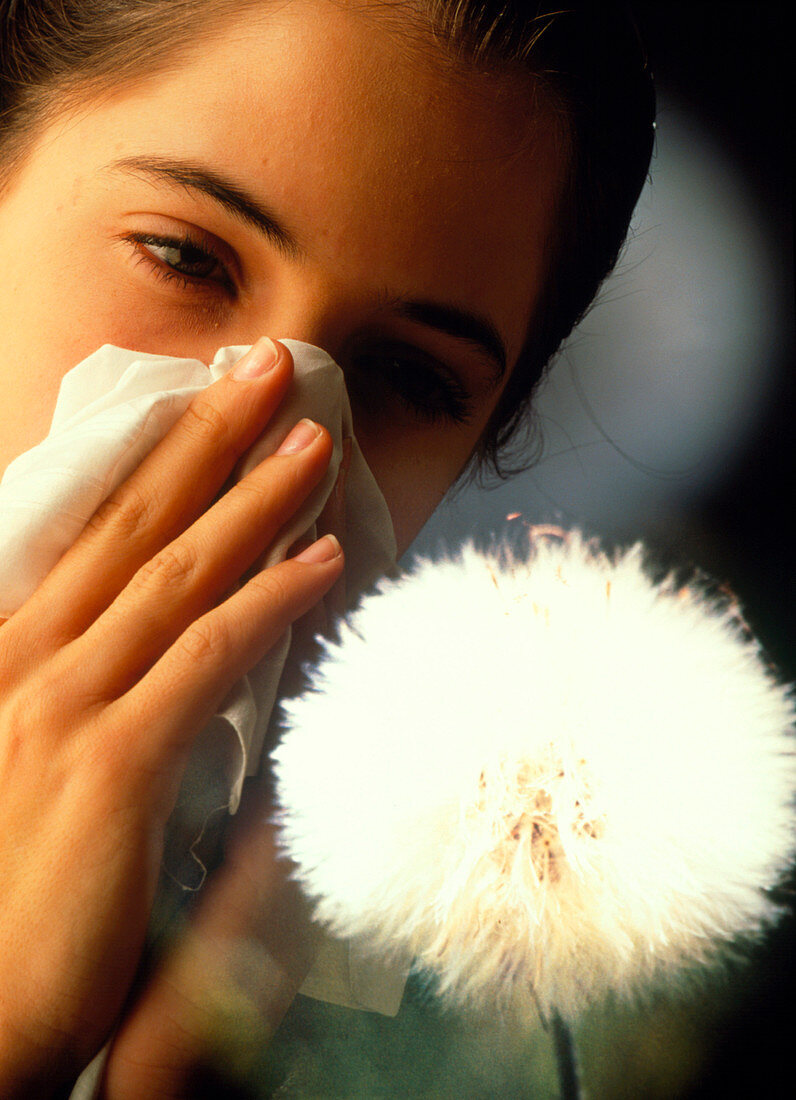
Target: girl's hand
[[215, 1000], [107, 674]]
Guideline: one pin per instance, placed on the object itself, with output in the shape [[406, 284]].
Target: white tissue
[[112, 409]]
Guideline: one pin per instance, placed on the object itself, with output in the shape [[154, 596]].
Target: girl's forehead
[[349, 74], [384, 158]]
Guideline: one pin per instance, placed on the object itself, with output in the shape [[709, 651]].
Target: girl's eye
[[181, 258], [377, 377]]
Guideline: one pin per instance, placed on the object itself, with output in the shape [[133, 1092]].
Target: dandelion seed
[[548, 779]]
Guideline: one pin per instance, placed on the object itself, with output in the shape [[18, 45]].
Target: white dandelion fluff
[[546, 779]]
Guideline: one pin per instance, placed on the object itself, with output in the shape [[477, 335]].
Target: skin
[[398, 180]]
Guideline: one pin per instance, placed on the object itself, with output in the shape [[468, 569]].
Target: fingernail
[[257, 361], [302, 435], [323, 550]]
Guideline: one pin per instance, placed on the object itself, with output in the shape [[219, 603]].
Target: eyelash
[[168, 272], [420, 383], [423, 386]]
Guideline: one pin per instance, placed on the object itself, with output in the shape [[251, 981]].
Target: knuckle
[[33, 706], [271, 586], [18, 710], [172, 567], [124, 514], [253, 489], [13, 659], [204, 423], [206, 640]]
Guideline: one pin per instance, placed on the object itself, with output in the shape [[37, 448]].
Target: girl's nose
[[323, 315]]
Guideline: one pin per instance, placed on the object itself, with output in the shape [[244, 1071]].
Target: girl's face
[[310, 171]]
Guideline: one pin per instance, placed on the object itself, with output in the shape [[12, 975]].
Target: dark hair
[[53, 52], [590, 57], [587, 56]]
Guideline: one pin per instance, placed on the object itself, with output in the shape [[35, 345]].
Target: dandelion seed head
[[548, 779]]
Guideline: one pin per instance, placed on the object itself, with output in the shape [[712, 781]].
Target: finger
[[330, 521], [198, 569], [172, 485], [184, 688], [319, 620]]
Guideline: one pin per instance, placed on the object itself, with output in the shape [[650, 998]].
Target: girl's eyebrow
[[197, 177], [462, 324]]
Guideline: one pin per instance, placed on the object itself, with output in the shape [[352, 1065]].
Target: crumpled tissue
[[111, 410]]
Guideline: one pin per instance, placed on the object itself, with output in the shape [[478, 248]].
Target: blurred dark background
[[732, 63]]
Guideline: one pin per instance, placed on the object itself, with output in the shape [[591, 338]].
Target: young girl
[[432, 192]]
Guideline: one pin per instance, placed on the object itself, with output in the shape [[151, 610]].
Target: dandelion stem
[[566, 1058]]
